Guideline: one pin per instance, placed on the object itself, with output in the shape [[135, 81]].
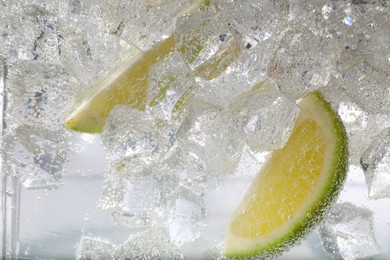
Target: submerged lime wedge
[[295, 186], [127, 84]]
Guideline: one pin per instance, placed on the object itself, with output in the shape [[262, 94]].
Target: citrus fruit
[[295, 186], [127, 84]]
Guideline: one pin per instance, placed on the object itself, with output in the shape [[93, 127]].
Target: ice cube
[[206, 41], [348, 233], [365, 79], [360, 126], [36, 156], [328, 17], [376, 164], [369, 31], [139, 200], [188, 218], [302, 62], [40, 93], [251, 19], [265, 118], [85, 47], [143, 23], [30, 33], [152, 244], [94, 248], [208, 139], [171, 84], [134, 139], [255, 60]]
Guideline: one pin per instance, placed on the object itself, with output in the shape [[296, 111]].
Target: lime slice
[[126, 84], [295, 186]]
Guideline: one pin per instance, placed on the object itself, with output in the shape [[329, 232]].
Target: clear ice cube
[[151, 244], [208, 139], [348, 232], [364, 77], [148, 22], [36, 156], [139, 200], [94, 248], [249, 20], [302, 62], [376, 164], [361, 128], [86, 48], [40, 94], [369, 30], [206, 41], [171, 84], [30, 33], [265, 118], [187, 219], [134, 139]]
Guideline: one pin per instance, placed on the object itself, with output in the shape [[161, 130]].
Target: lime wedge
[[295, 187], [126, 84]]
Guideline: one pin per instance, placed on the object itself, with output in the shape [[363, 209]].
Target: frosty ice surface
[[174, 172], [376, 164], [348, 232]]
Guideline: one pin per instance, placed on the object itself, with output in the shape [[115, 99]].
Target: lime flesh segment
[[295, 187], [127, 84]]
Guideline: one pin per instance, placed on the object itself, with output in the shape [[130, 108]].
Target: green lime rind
[[324, 200]]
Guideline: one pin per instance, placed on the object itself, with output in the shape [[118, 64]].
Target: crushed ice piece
[[151, 244], [139, 199], [376, 165], [360, 126], [30, 33], [207, 43], [134, 139], [365, 79], [255, 27], [240, 76], [187, 219], [208, 139], [148, 21], [94, 248], [348, 232], [170, 86], [302, 62], [39, 93], [265, 118], [36, 156]]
